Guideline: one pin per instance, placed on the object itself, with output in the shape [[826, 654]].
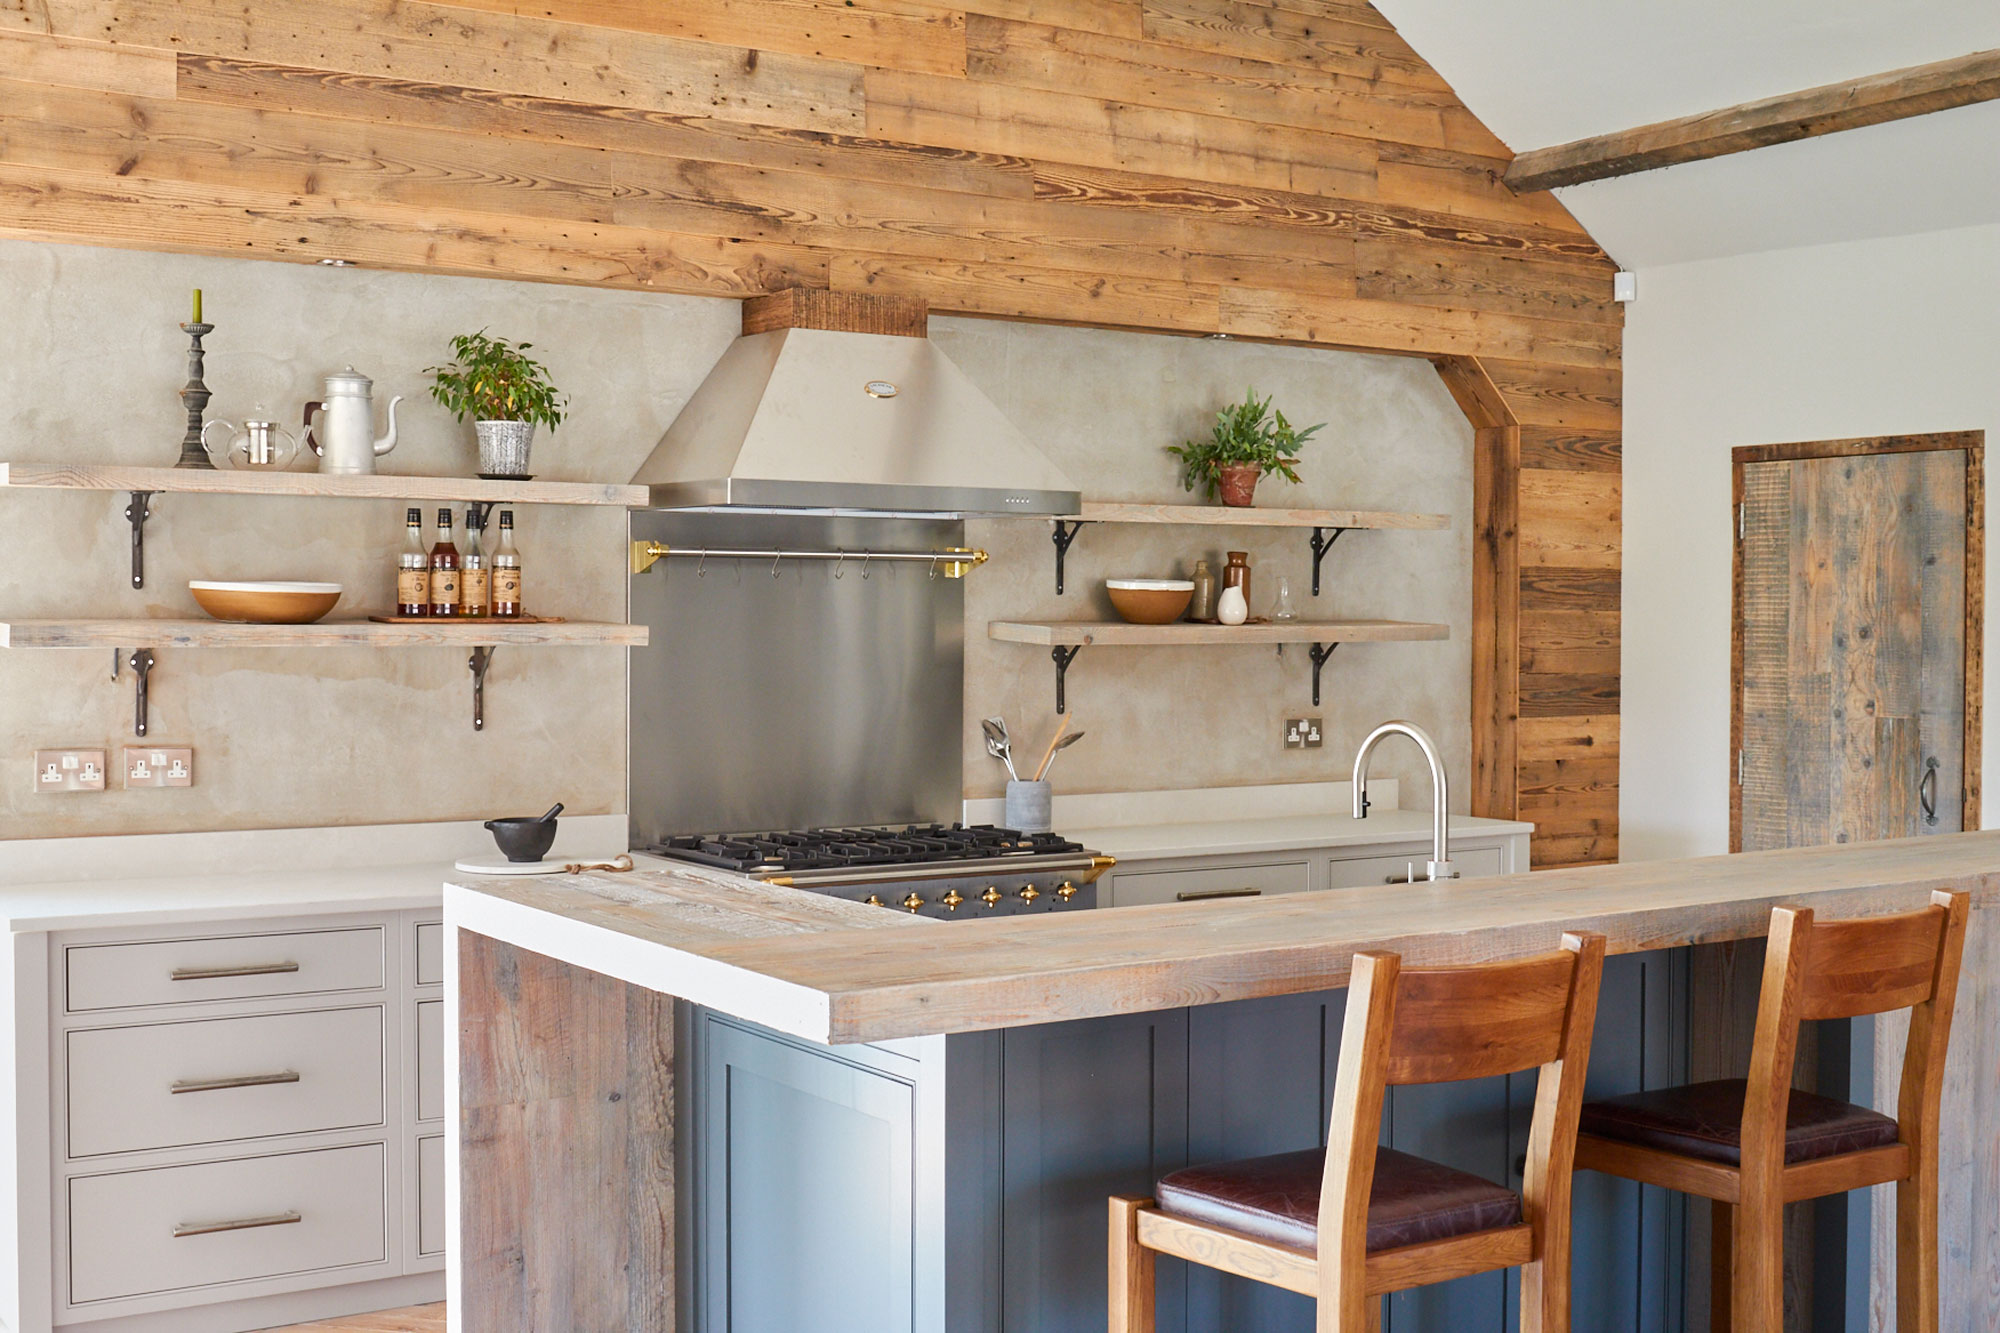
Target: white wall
[[1880, 337]]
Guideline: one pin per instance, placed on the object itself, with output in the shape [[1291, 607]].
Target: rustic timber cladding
[[1287, 170]]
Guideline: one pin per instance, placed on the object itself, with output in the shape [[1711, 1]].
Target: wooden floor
[[416, 1319]]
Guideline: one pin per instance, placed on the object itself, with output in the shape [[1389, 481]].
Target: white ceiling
[[1543, 72]]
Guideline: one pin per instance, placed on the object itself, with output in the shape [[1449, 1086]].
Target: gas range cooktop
[[949, 871], [770, 854]]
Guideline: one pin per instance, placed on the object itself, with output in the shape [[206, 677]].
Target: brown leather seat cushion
[[1277, 1199], [1705, 1120]]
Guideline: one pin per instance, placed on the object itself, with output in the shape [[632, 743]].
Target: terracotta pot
[[1238, 484]]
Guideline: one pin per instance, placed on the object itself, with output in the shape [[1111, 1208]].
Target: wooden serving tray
[[468, 620]]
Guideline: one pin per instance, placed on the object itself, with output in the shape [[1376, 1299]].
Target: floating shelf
[[1231, 516], [1326, 524], [466, 490], [1066, 638], [325, 634]]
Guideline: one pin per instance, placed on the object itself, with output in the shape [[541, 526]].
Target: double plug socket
[[1302, 733], [83, 769]]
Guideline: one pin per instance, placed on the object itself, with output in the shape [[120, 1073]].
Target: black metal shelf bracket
[[481, 659], [1320, 653], [136, 513], [1062, 536], [1063, 657], [1322, 542], [142, 671]]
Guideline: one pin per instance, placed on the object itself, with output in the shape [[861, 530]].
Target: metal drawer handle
[[186, 1229], [238, 1081], [240, 970], [1206, 894]]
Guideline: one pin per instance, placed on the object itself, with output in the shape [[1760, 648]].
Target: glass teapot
[[258, 446]]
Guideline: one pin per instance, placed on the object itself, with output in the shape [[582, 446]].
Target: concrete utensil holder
[[1028, 806]]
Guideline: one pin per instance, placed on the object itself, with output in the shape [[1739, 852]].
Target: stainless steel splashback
[[830, 694]]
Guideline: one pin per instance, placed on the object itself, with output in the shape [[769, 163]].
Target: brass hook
[[866, 557], [934, 560], [839, 559], [701, 565], [775, 561]]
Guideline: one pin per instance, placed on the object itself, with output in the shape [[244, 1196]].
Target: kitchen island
[[913, 1124]]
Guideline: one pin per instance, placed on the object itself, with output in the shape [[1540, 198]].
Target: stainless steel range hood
[[814, 419]]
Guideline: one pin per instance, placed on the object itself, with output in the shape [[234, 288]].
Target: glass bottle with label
[[444, 570], [506, 563], [475, 580], [413, 570]]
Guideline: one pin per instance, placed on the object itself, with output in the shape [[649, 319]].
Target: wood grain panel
[[1283, 170]]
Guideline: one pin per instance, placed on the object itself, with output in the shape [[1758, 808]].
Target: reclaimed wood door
[[1859, 577], [1857, 650]]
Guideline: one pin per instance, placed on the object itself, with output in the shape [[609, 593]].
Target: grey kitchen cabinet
[[958, 1185]]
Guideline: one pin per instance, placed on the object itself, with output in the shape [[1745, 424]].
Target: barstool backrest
[[1475, 1022]]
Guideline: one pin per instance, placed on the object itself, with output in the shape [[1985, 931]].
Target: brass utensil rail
[[954, 562]]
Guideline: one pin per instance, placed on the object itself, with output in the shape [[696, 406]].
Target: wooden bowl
[[1150, 601], [266, 603]]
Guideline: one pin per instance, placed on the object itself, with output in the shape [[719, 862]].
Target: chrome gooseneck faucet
[[1439, 866]]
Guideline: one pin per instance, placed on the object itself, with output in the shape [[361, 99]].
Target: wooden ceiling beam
[[1897, 95]]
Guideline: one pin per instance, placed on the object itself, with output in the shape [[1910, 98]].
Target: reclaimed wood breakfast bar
[[861, 1119]]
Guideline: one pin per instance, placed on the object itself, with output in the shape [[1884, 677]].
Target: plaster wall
[[91, 359], [1881, 337]]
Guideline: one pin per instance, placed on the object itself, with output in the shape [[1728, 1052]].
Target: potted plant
[[504, 392], [1250, 440]]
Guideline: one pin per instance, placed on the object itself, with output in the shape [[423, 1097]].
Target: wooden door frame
[[1973, 443]]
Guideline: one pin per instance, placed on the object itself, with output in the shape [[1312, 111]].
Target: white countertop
[[1226, 821], [96, 883], [1227, 837]]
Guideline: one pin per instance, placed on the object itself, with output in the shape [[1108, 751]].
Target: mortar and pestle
[[523, 838]]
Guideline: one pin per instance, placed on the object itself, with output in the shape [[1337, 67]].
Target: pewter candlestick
[[194, 395]]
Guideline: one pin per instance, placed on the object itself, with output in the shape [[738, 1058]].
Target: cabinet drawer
[[430, 1060], [141, 1232], [1357, 872], [1131, 889], [430, 1196], [115, 976], [158, 1085], [430, 954]]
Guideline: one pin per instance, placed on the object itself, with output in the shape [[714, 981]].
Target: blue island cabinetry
[[957, 1184]]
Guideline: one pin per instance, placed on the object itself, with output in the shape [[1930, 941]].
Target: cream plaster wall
[[1883, 337], [90, 359], [1105, 405]]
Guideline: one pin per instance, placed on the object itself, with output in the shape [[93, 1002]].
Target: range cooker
[[955, 872]]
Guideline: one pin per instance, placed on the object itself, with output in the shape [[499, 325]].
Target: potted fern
[[1249, 440], [504, 393]]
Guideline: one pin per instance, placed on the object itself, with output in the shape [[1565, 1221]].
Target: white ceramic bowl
[[1150, 601], [266, 603]]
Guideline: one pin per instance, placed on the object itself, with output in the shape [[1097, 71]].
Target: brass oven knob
[[1029, 893], [1067, 891], [914, 902], [952, 900], [873, 900], [991, 897]]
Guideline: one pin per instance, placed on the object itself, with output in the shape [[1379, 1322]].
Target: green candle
[[197, 305]]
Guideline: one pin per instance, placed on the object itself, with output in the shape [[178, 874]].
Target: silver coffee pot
[[345, 436]]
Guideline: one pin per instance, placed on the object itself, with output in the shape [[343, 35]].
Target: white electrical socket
[[69, 770], [159, 766]]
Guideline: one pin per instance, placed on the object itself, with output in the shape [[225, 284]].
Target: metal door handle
[[187, 1229], [236, 1081], [240, 970], [1927, 792], [1206, 894]]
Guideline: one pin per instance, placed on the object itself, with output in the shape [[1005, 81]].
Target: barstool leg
[[1759, 1279], [1131, 1270], [1721, 1264], [1375, 1316], [1917, 1248]]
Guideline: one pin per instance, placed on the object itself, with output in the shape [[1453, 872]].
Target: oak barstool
[[1753, 1146], [1355, 1222]]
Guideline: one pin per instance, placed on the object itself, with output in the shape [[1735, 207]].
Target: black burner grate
[[835, 848]]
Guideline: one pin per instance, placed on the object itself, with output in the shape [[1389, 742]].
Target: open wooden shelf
[[325, 634], [1100, 511], [468, 490], [1117, 633]]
